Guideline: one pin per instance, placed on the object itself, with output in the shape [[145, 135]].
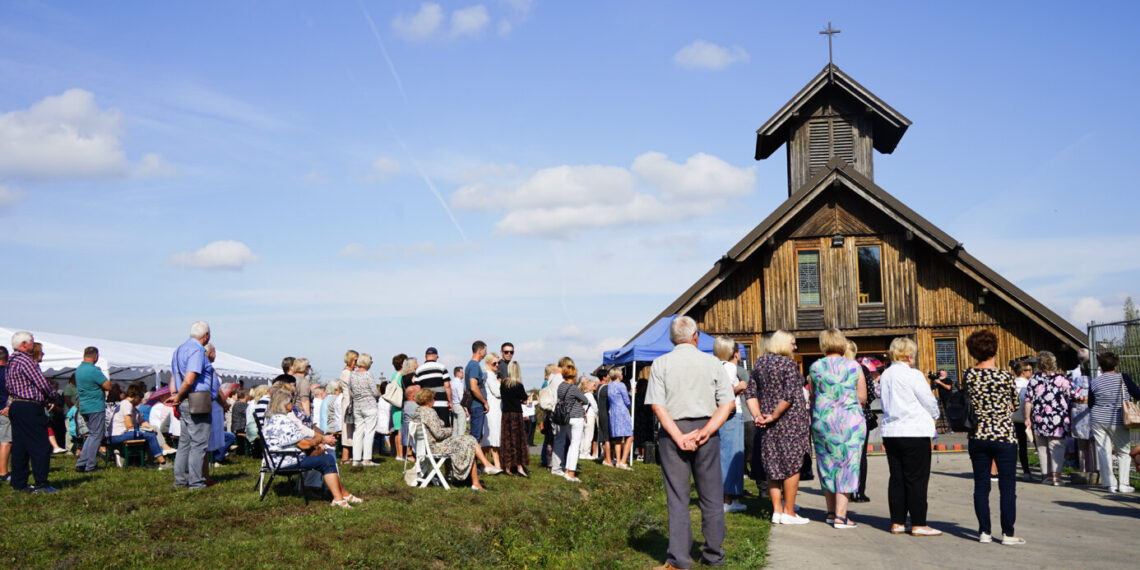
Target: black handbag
[[806, 472]]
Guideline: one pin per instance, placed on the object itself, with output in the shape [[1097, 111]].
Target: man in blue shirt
[[188, 374], [90, 386], [477, 383]]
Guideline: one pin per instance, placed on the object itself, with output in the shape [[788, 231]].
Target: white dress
[[494, 408]]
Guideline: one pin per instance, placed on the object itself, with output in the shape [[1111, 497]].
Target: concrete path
[[1065, 527]]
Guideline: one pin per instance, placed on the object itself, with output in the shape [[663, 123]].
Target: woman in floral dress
[[463, 449], [838, 428], [775, 396], [1049, 396]]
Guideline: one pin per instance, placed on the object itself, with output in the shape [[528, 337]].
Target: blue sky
[[391, 175]]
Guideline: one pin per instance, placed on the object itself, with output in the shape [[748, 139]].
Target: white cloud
[[432, 22], [68, 136], [702, 176], [561, 199], [422, 25], [470, 21], [152, 165], [9, 197], [225, 254], [709, 56], [1090, 309], [385, 167]]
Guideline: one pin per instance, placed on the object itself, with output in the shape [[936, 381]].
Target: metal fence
[[1121, 337]]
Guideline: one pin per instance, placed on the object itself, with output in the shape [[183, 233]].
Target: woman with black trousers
[[992, 395], [909, 411]]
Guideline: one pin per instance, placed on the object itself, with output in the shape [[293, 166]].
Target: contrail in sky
[[379, 42], [430, 184]]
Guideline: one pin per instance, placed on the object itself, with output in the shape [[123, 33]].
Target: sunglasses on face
[[508, 352]]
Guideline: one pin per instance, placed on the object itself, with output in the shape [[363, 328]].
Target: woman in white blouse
[[909, 411], [494, 408]]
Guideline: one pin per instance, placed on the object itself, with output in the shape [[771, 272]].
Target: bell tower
[[833, 116]]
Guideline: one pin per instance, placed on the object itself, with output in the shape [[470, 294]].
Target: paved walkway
[[1065, 527]]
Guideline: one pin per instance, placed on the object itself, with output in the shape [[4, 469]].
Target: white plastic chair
[[425, 474]]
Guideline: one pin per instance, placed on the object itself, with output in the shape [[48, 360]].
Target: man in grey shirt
[[691, 394]]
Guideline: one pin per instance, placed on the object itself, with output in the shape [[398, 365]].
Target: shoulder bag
[[200, 402], [393, 394], [1128, 408]]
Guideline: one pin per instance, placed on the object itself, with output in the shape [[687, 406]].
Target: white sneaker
[[1110, 489], [794, 519], [735, 507], [777, 518], [985, 538], [1126, 489], [1012, 540]]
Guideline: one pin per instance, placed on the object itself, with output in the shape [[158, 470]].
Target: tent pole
[[633, 412]]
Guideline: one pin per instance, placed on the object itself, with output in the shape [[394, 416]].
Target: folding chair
[[425, 474], [273, 467]]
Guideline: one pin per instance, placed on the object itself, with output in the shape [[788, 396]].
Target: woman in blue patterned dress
[[621, 424], [837, 426]]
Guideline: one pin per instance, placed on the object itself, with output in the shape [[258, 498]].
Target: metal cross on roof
[[829, 32]]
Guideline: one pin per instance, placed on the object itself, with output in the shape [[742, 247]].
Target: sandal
[[830, 518], [843, 522], [353, 498], [342, 504], [898, 529]]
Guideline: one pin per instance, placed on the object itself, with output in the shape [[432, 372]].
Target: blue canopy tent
[[652, 343], [647, 346]]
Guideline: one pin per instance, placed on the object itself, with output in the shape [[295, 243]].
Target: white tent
[[128, 362]]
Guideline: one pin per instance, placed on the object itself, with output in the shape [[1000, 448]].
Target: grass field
[[134, 517]]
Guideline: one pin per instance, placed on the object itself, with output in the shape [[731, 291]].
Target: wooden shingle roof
[[839, 174], [888, 124]]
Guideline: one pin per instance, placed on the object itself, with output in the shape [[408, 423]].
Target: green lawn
[[134, 517]]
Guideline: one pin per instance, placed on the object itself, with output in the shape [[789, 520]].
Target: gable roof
[[888, 124], [839, 173]]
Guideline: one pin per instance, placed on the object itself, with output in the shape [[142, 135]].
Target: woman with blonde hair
[[909, 411], [775, 396], [587, 386], [494, 408], [362, 387], [621, 422], [513, 447], [838, 427], [568, 435], [1048, 397], [732, 431]]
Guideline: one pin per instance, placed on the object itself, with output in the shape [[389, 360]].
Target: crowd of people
[[717, 423]]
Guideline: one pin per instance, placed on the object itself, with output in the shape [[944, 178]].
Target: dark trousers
[[478, 421], [703, 465], [530, 425], [29, 443], [1022, 446], [983, 453], [909, 461], [749, 436], [863, 470]]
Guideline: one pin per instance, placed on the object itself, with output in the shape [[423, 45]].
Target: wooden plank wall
[[737, 304], [1015, 339]]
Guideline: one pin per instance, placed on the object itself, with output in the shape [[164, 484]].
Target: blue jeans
[[982, 453], [151, 440], [323, 463], [220, 454], [478, 421], [732, 455]]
